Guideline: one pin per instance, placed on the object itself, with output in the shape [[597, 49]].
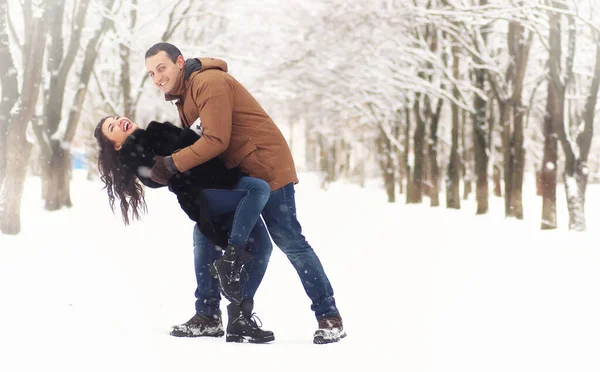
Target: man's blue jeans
[[280, 216], [246, 200]]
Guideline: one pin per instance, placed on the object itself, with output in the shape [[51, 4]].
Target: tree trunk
[[453, 174], [497, 177], [433, 155], [58, 177], [11, 193], [519, 51], [467, 157], [419, 138], [574, 169], [128, 100], [402, 152], [18, 148], [406, 153], [58, 180], [576, 177], [505, 123], [386, 163], [55, 155], [552, 121], [518, 169], [548, 170], [10, 88], [480, 146]]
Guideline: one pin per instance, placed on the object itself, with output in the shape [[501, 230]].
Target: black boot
[[228, 270], [241, 325]]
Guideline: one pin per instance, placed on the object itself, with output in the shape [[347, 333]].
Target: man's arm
[[214, 102]]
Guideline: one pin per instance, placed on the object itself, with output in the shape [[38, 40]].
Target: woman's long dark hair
[[118, 180]]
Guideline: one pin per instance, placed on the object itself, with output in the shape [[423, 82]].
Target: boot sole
[[320, 340], [252, 340], [183, 334]]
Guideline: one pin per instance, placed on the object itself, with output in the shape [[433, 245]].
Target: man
[[236, 128]]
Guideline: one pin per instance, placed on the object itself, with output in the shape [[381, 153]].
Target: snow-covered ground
[[420, 289]]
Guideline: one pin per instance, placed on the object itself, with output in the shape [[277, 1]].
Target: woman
[[225, 203]]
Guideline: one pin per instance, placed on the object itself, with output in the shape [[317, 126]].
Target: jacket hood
[[192, 65]]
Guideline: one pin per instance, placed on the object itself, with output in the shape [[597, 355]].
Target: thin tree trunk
[[480, 147], [419, 158], [400, 153], [453, 174], [10, 88], [386, 163], [481, 132], [519, 51], [125, 52], [519, 164], [406, 153], [552, 121], [466, 158], [433, 155], [548, 169], [505, 122]]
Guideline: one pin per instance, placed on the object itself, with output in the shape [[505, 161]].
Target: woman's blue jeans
[[246, 201]]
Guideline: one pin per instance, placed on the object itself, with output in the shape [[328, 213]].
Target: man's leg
[[207, 320], [281, 220], [207, 292]]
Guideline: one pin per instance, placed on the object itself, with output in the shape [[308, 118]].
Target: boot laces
[[255, 320]]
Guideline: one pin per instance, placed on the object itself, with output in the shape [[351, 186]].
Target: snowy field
[[419, 289]]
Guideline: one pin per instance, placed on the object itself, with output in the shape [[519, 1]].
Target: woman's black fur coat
[[137, 154]]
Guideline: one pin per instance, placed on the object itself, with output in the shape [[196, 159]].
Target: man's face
[[163, 71], [117, 129]]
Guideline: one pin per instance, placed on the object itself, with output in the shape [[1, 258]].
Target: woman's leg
[[247, 198], [259, 245]]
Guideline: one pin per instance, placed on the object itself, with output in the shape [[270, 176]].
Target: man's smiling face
[[163, 71]]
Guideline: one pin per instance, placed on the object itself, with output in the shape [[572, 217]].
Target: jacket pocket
[[235, 158], [254, 165]]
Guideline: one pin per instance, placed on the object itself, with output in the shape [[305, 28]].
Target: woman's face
[[117, 129]]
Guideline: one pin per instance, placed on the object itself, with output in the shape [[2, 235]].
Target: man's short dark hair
[[172, 51]]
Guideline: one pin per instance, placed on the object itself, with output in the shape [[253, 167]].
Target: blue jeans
[[280, 216], [246, 199]]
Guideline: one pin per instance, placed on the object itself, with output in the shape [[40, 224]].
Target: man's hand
[[164, 168]]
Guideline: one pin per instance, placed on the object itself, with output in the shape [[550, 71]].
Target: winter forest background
[[443, 100]]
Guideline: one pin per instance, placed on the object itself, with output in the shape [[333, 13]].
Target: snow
[[419, 288]]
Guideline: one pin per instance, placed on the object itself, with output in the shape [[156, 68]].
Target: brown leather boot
[[331, 329], [200, 326]]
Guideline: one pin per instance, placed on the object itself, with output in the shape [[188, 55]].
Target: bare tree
[[55, 159], [480, 135], [576, 152], [18, 149]]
